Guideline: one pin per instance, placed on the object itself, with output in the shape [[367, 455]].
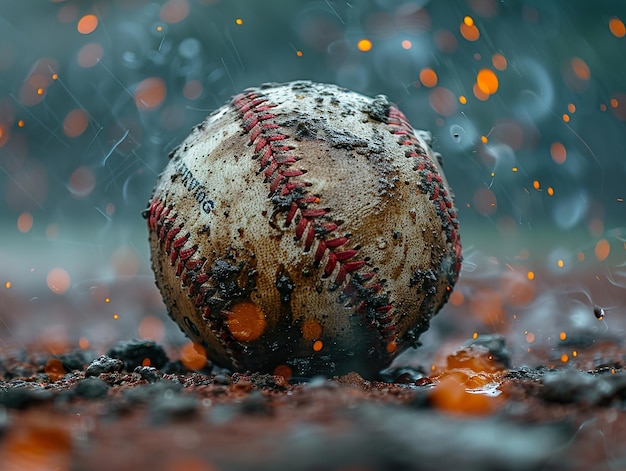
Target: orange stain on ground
[[461, 388]]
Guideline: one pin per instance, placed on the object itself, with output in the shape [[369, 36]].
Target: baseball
[[304, 229]]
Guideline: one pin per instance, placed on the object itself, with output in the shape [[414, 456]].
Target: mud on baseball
[[304, 229]]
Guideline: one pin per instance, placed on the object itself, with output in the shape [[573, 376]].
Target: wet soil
[[83, 410]]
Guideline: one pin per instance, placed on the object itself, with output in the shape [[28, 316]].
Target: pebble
[[147, 393], [495, 345], [104, 364], [149, 373], [256, 403], [76, 360], [573, 386], [23, 397], [178, 406], [135, 353], [91, 388]]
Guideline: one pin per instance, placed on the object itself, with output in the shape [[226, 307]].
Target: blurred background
[[526, 100]]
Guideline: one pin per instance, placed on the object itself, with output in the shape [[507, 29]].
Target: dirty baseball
[[304, 229]]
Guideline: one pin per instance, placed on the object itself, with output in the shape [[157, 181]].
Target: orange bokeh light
[[518, 288], [58, 280], [75, 123], [580, 68], [150, 93], [478, 93], [617, 28], [442, 101], [487, 81], [89, 55], [558, 152], [602, 249], [87, 24], [485, 201], [25, 222], [193, 356], [428, 77], [192, 89], [284, 371], [487, 305], [246, 321], [445, 41], [499, 62], [174, 11], [82, 182], [469, 32], [457, 297], [151, 328], [364, 45]]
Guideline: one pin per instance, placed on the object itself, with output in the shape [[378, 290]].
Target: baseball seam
[[431, 182], [312, 224], [173, 239], [276, 159]]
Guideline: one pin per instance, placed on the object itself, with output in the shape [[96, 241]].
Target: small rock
[[149, 373], [256, 403], [174, 368], [573, 386], [222, 379], [4, 419], [20, 371], [402, 375], [147, 393], [23, 397], [179, 406], [104, 364], [91, 388], [135, 352], [76, 360], [495, 345]]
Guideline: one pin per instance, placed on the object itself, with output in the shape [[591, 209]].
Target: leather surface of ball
[[304, 229]]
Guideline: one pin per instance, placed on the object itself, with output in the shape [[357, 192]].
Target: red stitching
[[431, 180], [276, 165], [189, 269], [311, 222]]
